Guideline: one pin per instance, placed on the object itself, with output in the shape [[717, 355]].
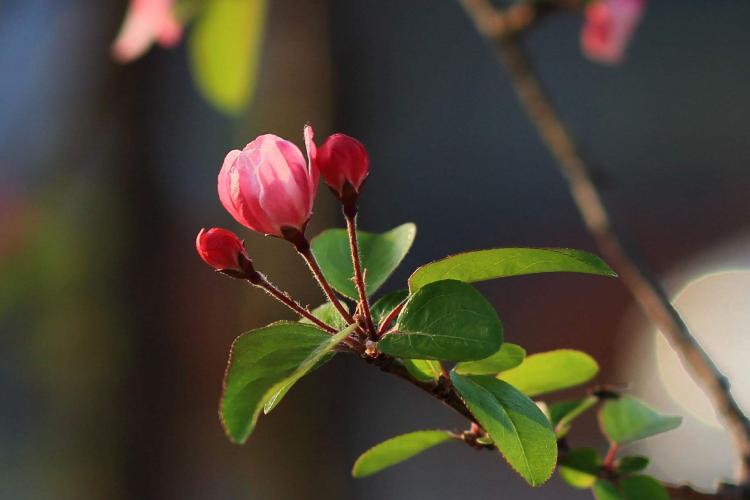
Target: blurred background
[[114, 335]]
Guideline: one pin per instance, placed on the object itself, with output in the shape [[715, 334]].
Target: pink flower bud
[[342, 159], [146, 21], [608, 28], [221, 249], [268, 186]]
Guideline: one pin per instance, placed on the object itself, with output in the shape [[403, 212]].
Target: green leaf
[[563, 413], [517, 426], [580, 467], [631, 464], [627, 419], [424, 370], [605, 490], [446, 320], [258, 361], [396, 450], [224, 49], [484, 265], [507, 357], [380, 255], [551, 371], [329, 315], [642, 488], [320, 355], [385, 304]]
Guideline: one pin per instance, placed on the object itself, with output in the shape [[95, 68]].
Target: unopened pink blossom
[[146, 22], [343, 160], [221, 249], [608, 28], [268, 186]]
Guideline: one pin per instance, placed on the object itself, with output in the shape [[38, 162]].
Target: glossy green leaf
[[385, 304], [224, 48], [605, 490], [446, 320], [580, 467], [424, 370], [563, 413], [396, 450], [507, 357], [632, 464], [484, 265], [258, 361], [321, 354], [329, 315], [642, 488], [627, 419], [551, 371], [518, 427], [380, 255]]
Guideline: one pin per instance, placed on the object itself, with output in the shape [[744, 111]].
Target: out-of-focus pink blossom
[[608, 27], [342, 159], [221, 249], [268, 186], [146, 22]]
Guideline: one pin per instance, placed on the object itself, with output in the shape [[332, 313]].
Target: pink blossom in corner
[[608, 27], [146, 22], [268, 186]]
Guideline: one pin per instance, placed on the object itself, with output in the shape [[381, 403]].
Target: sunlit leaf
[[380, 255], [562, 413], [225, 47], [446, 320], [424, 370], [605, 490], [328, 315], [551, 371], [627, 419], [396, 450], [517, 426], [580, 467], [258, 361], [483, 265], [507, 357], [321, 354]]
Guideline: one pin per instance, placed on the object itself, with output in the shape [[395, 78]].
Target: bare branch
[[644, 288]]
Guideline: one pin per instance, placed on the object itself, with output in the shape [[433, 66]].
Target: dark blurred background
[[114, 335]]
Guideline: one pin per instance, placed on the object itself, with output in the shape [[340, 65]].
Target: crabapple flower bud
[[608, 27], [222, 249], [146, 21], [268, 187], [343, 160]]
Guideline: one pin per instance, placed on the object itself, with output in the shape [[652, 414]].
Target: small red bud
[[222, 249], [342, 159]]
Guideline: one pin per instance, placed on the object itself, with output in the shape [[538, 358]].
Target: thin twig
[[292, 304], [323, 282], [262, 282], [644, 288], [442, 389], [390, 317], [359, 280]]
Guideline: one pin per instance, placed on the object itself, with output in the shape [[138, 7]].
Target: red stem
[[315, 268], [609, 458], [285, 299], [359, 280], [389, 319], [262, 282]]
